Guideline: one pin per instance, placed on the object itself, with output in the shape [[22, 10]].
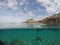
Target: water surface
[[29, 34], [26, 25]]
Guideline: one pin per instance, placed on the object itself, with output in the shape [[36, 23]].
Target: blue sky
[[21, 10]]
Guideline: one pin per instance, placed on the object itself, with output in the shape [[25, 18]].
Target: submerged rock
[[37, 41], [17, 42], [38, 38], [55, 30], [38, 30], [1, 43]]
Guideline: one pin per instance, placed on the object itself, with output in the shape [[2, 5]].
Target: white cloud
[[49, 5], [30, 14], [10, 19], [40, 17], [3, 5], [14, 7], [19, 17], [8, 4], [16, 17], [12, 4], [22, 2], [26, 15]]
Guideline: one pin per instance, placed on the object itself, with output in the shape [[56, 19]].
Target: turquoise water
[[30, 36]]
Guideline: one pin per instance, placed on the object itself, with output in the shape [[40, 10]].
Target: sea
[[29, 34]]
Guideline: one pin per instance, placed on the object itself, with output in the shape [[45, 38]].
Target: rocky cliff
[[54, 19]]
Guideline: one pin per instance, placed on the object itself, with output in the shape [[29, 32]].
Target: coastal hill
[[54, 19], [32, 21]]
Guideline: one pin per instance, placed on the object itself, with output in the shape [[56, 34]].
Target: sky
[[16, 11]]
